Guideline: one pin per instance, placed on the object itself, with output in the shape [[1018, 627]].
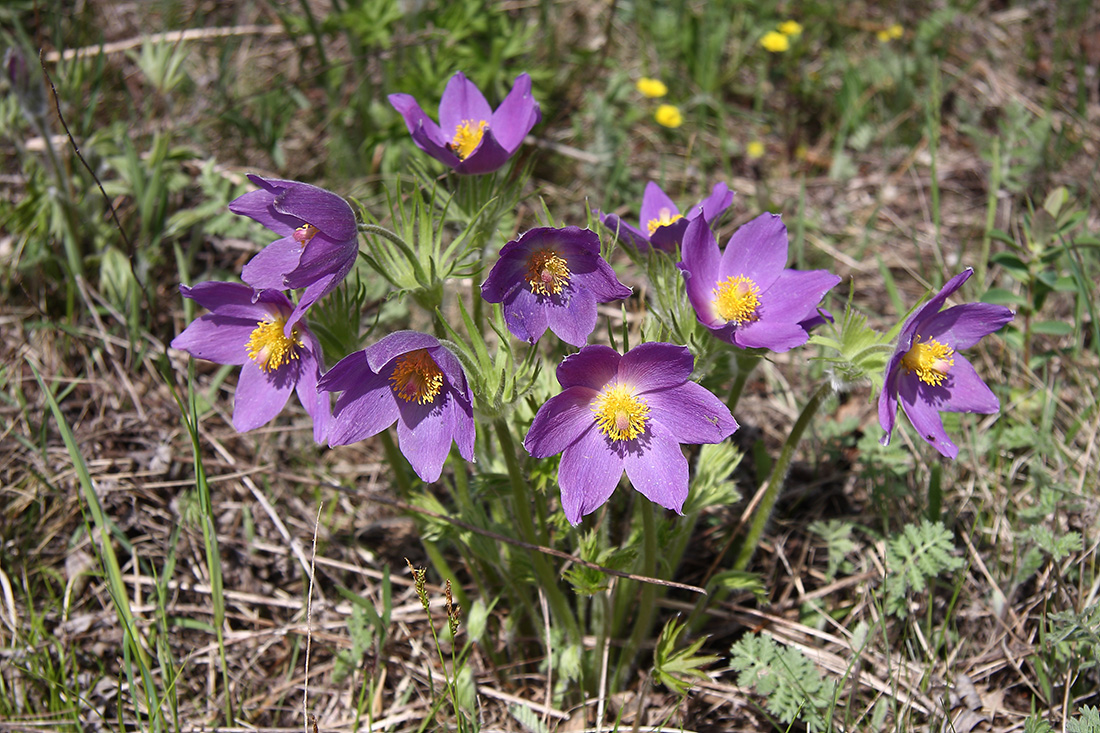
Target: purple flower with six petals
[[552, 278], [247, 328], [471, 138], [662, 225], [413, 380], [928, 374], [318, 239], [745, 295], [628, 412]]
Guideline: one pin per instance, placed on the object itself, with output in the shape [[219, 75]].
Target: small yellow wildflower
[[652, 88], [887, 34], [775, 42], [755, 150], [669, 116], [790, 28]]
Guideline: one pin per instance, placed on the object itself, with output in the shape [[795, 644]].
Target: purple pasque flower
[[317, 245], [413, 380], [552, 278], [745, 295], [628, 412], [248, 328], [662, 225], [471, 138], [928, 374]]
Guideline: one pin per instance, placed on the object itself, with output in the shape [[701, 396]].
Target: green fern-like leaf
[[791, 685], [913, 558], [1087, 722], [675, 668]]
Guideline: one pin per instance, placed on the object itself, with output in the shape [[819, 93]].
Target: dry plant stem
[[309, 621], [546, 576], [647, 601]]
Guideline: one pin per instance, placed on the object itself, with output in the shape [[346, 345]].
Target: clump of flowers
[[471, 137], [626, 413], [745, 295], [775, 42], [652, 88], [318, 240], [890, 33], [661, 224], [552, 278], [790, 28], [755, 150], [413, 380], [928, 375], [668, 115], [248, 329]]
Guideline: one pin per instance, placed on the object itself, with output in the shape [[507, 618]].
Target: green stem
[[647, 600], [745, 364], [558, 603]]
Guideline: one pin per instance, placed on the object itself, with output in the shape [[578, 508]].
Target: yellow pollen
[[269, 347], [737, 300], [931, 360], [303, 234], [619, 414], [416, 377], [547, 272], [664, 218], [467, 137]]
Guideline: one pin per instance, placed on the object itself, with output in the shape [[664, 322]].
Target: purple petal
[[669, 236], [330, 213], [968, 392], [758, 250], [589, 471], [527, 318], [720, 199], [659, 471], [257, 205], [935, 304], [654, 200], [516, 115], [595, 276], [318, 289], [560, 422], [366, 408], [701, 262], [396, 344], [964, 325], [462, 101], [888, 398], [425, 133], [625, 231], [487, 157], [924, 416], [572, 320], [217, 338], [691, 414], [237, 301], [462, 422], [348, 372], [269, 268], [261, 395], [593, 367], [775, 336], [452, 370], [318, 405], [424, 434], [654, 365]]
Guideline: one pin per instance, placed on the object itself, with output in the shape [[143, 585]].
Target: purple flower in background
[[552, 278], [413, 380], [318, 244], [247, 328], [745, 295], [929, 375], [631, 413], [470, 136], [662, 225]]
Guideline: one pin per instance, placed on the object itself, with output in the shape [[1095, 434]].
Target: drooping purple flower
[[471, 138], [628, 412], [413, 380], [928, 374], [247, 328], [745, 295], [662, 225], [552, 278], [317, 245]]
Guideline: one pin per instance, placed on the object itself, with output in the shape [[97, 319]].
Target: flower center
[[467, 137], [269, 347], [737, 300], [931, 360], [664, 218], [619, 414], [547, 272], [303, 234], [416, 377]]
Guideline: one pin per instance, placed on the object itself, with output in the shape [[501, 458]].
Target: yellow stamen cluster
[[737, 299], [269, 347], [619, 414], [468, 134], [416, 377], [547, 272], [930, 360], [664, 218], [303, 234]]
